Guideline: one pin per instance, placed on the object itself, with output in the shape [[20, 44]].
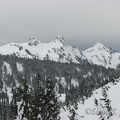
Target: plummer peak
[[60, 39], [33, 41]]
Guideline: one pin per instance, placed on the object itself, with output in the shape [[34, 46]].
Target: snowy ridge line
[[59, 50]]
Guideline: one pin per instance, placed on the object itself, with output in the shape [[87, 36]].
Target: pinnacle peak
[[32, 38], [33, 41], [60, 39]]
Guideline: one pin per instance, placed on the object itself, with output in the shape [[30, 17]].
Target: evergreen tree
[[100, 108], [4, 105], [72, 98], [67, 99], [105, 110], [73, 114], [82, 90], [38, 101], [51, 108], [107, 102], [13, 108], [25, 101]]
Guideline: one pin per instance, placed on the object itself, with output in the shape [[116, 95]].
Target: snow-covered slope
[[89, 111], [57, 50], [101, 55]]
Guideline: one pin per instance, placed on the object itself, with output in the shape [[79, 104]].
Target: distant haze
[[81, 22]]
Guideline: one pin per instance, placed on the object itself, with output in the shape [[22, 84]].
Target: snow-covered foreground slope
[[88, 110], [57, 50], [101, 55]]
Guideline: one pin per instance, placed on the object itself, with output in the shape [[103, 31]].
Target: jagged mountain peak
[[59, 39], [100, 54], [33, 41]]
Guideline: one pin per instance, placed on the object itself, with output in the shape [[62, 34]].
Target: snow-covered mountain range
[[60, 51], [57, 50]]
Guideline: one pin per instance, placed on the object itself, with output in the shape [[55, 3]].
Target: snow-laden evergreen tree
[[51, 107], [107, 102], [67, 99], [100, 110], [4, 105], [25, 102], [13, 107], [104, 108], [72, 98], [82, 91], [39, 100], [73, 114]]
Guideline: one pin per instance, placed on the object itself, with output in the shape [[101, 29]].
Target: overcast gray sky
[[81, 22]]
